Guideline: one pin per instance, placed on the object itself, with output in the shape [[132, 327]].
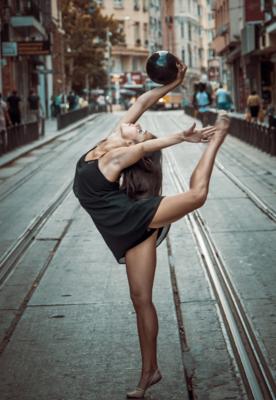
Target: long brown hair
[[144, 178]]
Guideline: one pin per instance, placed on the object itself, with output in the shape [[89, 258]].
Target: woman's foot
[[147, 380], [222, 124]]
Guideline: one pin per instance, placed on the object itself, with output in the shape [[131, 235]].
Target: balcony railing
[[118, 4]]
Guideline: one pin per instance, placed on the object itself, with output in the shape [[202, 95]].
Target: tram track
[[253, 197], [13, 255], [46, 162], [255, 371]]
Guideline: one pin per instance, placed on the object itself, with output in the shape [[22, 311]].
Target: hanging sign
[[33, 48]]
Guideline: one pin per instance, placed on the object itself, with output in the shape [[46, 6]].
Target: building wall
[[131, 55], [155, 26], [168, 25], [187, 41]]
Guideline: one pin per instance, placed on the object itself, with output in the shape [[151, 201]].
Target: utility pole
[[108, 68], [87, 86]]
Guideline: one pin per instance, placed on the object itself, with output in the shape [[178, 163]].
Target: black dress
[[122, 222]]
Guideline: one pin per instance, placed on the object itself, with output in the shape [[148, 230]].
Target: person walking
[[72, 101], [222, 98], [53, 106], [254, 104], [118, 182], [33, 106], [4, 115], [202, 102], [15, 108]]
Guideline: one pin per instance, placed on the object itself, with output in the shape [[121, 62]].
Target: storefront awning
[[28, 24]]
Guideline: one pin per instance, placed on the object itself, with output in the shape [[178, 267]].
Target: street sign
[[33, 48], [9, 49]]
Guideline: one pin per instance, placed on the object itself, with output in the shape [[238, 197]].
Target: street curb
[[10, 157]]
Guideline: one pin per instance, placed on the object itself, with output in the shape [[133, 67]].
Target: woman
[[131, 217], [254, 103]]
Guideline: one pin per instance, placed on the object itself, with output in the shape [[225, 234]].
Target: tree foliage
[[85, 42]]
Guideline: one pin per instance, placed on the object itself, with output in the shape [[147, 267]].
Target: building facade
[[246, 40], [187, 43], [209, 65], [28, 35], [155, 26]]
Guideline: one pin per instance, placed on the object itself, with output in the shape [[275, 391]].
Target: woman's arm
[[121, 158], [149, 98]]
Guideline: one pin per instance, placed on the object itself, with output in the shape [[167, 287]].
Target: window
[[99, 3], [201, 54], [118, 3], [189, 31], [183, 55], [211, 53], [146, 39], [208, 2], [134, 64], [211, 36], [199, 11], [189, 56], [182, 29], [200, 31], [136, 32], [210, 17]]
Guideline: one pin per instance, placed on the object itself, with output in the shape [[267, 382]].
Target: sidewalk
[[51, 133]]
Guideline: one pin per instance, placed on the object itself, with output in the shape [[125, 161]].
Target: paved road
[[67, 325]]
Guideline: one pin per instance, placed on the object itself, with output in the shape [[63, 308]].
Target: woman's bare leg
[[140, 267], [173, 208]]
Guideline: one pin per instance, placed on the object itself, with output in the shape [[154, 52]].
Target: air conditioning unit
[[223, 29], [169, 20], [138, 42]]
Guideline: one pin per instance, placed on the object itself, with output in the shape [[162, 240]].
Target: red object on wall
[[253, 11], [7, 77]]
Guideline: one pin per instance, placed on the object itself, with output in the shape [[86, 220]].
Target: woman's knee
[[140, 299]]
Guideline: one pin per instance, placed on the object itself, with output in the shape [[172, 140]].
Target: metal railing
[[258, 135], [68, 118], [19, 135]]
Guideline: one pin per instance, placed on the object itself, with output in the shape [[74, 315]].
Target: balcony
[[145, 8], [146, 42], [138, 42], [136, 7], [29, 25], [169, 20]]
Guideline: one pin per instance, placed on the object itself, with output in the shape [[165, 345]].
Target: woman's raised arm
[[149, 98], [123, 157]]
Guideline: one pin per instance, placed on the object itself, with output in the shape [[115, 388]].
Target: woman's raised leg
[[140, 267], [173, 208]]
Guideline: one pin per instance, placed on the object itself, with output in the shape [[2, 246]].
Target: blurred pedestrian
[[254, 104], [202, 101], [222, 98], [33, 106], [4, 115], [53, 106], [72, 101], [15, 108]]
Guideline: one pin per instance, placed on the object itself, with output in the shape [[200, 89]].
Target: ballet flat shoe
[[140, 393]]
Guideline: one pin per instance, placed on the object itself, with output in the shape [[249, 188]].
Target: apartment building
[[187, 43], [168, 25], [209, 65], [155, 26], [133, 16]]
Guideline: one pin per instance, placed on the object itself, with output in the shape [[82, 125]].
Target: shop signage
[[33, 48], [9, 49], [253, 11]]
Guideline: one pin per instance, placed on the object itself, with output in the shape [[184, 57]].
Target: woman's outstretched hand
[[202, 135]]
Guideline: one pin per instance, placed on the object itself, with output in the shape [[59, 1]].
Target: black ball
[[161, 67]]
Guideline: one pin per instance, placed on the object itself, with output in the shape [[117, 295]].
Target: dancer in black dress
[[133, 217]]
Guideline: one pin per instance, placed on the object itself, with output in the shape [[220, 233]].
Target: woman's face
[[135, 133]]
